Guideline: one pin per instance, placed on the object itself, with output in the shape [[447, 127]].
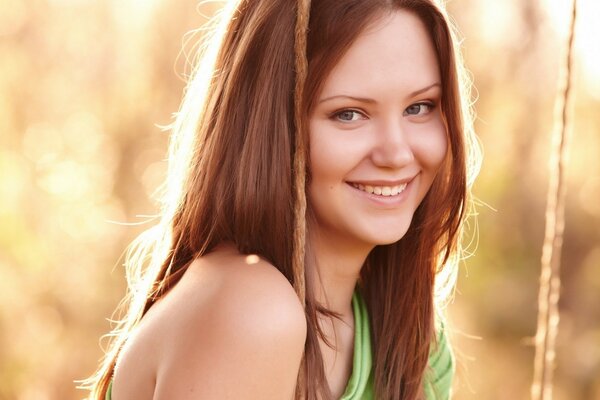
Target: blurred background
[[84, 87]]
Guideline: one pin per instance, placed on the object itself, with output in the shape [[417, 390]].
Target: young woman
[[318, 181]]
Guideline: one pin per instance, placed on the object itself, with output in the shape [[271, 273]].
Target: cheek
[[431, 146], [320, 151], [328, 154]]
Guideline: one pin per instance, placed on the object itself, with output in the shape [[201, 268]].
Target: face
[[377, 137]]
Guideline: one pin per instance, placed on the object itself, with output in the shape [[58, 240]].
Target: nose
[[392, 148]]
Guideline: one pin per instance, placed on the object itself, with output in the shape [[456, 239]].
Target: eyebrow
[[370, 101], [425, 89], [345, 96]]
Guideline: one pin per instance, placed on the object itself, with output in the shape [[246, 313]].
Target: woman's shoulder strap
[[441, 368]]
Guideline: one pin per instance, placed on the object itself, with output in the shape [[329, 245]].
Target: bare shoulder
[[231, 329], [249, 292]]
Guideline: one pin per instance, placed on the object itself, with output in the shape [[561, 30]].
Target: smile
[[384, 191]]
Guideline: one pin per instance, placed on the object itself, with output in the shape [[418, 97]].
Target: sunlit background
[[84, 87]]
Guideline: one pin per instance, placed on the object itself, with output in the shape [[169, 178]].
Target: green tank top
[[438, 379]]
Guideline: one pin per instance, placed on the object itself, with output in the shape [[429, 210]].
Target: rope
[[300, 150], [548, 315]]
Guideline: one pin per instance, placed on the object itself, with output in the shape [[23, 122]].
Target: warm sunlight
[[86, 87], [587, 42]]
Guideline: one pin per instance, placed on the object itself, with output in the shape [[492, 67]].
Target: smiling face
[[377, 138]]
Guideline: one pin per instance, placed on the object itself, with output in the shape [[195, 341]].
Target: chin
[[385, 236]]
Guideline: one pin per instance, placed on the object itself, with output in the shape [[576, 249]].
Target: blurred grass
[[83, 84]]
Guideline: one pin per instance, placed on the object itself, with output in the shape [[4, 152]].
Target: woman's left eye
[[419, 109]]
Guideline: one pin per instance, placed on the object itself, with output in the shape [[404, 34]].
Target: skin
[[231, 329], [377, 123]]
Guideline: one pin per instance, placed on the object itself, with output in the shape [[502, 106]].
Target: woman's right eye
[[348, 116]]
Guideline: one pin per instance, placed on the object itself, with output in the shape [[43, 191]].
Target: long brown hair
[[237, 173]]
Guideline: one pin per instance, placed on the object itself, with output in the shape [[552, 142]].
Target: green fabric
[[438, 379], [360, 384]]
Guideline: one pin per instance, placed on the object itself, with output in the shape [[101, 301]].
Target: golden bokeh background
[[85, 86]]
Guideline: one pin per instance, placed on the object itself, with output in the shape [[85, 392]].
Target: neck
[[335, 269]]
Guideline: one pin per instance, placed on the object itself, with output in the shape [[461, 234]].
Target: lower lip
[[389, 201]]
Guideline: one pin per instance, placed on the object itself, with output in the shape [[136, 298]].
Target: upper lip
[[383, 182]]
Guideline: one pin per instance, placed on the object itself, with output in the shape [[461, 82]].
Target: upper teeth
[[381, 190]]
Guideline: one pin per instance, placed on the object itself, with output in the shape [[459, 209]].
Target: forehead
[[395, 53]]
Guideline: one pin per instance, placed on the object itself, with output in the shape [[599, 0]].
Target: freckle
[[251, 259]]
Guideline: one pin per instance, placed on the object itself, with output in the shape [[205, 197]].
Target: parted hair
[[238, 167]]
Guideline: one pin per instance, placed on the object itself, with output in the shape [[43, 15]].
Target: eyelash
[[430, 105], [337, 114]]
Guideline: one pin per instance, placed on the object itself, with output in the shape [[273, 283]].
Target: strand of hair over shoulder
[[299, 167]]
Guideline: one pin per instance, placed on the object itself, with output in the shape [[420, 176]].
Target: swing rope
[[548, 314]]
